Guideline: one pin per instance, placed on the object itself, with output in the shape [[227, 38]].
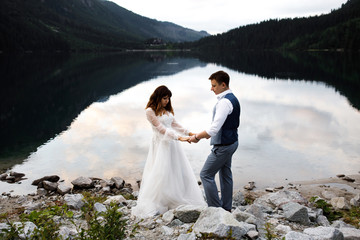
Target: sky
[[218, 16]]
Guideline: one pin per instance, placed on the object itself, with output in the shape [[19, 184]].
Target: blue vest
[[228, 132]]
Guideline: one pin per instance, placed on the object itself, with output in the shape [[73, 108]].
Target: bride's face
[[165, 101]]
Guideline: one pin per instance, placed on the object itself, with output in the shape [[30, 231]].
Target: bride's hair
[[155, 100]]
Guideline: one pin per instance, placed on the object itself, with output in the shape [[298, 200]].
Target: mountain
[[39, 25], [339, 29]]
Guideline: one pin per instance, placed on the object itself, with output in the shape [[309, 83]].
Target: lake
[[83, 114]]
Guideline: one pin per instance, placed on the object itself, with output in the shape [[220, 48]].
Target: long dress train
[[168, 179]]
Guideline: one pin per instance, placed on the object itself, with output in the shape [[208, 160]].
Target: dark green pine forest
[[63, 25], [100, 25], [338, 30]]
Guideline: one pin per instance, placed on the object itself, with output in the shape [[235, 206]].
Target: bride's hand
[[183, 139]]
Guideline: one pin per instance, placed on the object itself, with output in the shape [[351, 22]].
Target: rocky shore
[[286, 212]]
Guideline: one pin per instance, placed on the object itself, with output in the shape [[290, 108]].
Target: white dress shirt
[[223, 109]]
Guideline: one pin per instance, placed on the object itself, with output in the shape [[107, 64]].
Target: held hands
[[193, 139], [190, 139], [184, 139]]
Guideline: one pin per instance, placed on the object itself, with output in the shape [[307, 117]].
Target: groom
[[224, 138]]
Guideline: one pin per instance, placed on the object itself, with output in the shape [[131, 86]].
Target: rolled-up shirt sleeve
[[223, 109]]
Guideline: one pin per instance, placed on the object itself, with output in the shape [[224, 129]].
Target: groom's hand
[[193, 139]]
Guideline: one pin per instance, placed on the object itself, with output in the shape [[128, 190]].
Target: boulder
[[297, 236], [188, 213], [75, 201], [340, 203], [324, 233], [328, 194], [83, 182], [17, 175], [241, 216], [99, 207], [282, 228], [281, 197], [218, 223], [116, 199], [168, 216], [52, 178], [187, 236], [350, 233], [167, 231], [238, 199], [295, 212], [106, 183], [41, 192], [355, 201], [323, 221], [119, 182], [50, 186], [63, 189], [3, 176]]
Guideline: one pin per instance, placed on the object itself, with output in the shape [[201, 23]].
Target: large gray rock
[[279, 198], [28, 229], [297, 236], [4, 226], [340, 224], [217, 222], [296, 213], [188, 213], [119, 182], [241, 216], [328, 194], [99, 207], [167, 231], [188, 236], [323, 221], [168, 216], [52, 178], [63, 189], [238, 199], [355, 201], [350, 233], [118, 199], [106, 183], [83, 182], [282, 228], [340, 203], [324, 233], [3, 176], [75, 201], [50, 186], [31, 206]]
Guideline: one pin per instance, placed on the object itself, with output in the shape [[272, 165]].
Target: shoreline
[[286, 211], [307, 188]]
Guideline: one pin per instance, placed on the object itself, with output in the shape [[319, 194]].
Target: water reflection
[[41, 95], [291, 130]]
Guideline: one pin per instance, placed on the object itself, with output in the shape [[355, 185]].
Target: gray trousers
[[219, 160]]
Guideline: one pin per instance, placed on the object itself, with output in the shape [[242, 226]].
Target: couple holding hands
[[168, 179]]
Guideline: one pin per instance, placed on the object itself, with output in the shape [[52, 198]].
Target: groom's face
[[216, 87]]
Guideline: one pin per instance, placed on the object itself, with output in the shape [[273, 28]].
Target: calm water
[[84, 115]]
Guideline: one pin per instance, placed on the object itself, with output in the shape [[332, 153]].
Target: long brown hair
[[155, 100]]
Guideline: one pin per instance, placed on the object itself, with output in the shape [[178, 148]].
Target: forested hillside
[[43, 25], [339, 29]]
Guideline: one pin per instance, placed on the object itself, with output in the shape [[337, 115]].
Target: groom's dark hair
[[220, 77]]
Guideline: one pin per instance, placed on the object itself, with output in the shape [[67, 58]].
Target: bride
[[168, 180]]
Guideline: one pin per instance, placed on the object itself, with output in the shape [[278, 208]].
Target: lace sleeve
[[168, 133], [175, 125]]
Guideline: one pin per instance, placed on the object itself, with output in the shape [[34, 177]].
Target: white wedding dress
[[168, 180]]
